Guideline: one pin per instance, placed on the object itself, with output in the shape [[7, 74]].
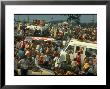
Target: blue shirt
[[21, 53]]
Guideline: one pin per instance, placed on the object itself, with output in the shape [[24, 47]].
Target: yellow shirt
[[86, 65]]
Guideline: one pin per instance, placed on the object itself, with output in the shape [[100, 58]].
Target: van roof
[[87, 44], [39, 38]]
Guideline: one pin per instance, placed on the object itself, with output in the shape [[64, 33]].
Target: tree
[[28, 19], [74, 17], [19, 20]]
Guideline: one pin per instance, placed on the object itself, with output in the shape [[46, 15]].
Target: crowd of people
[[33, 55], [59, 31]]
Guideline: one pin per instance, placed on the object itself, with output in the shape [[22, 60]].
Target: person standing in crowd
[[33, 52], [85, 61], [24, 64], [38, 46], [41, 49], [86, 67], [54, 53], [47, 59], [68, 60], [78, 59], [95, 64], [28, 52], [15, 66], [36, 61], [59, 49], [47, 50], [57, 62], [41, 60], [27, 45], [18, 44], [73, 63], [21, 52], [91, 67], [55, 32], [76, 69], [71, 54]]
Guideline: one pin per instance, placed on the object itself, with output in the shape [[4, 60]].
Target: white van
[[74, 46]]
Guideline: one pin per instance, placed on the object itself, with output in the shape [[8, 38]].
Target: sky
[[83, 19]]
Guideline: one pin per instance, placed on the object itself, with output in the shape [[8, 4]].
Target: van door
[[83, 56], [70, 48]]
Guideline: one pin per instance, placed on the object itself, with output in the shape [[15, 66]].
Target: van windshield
[[70, 48], [90, 52], [79, 48], [64, 48]]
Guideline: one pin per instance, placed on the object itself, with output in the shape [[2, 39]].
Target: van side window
[[79, 48], [90, 52], [70, 48]]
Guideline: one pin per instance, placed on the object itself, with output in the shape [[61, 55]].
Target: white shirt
[[64, 42], [36, 62], [73, 63], [71, 56], [24, 63], [18, 45], [37, 47], [57, 61]]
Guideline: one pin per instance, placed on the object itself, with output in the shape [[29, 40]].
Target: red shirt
[[78, 59]]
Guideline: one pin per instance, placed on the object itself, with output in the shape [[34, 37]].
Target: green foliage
[[28, 19], [74, 17], [19, 19]]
